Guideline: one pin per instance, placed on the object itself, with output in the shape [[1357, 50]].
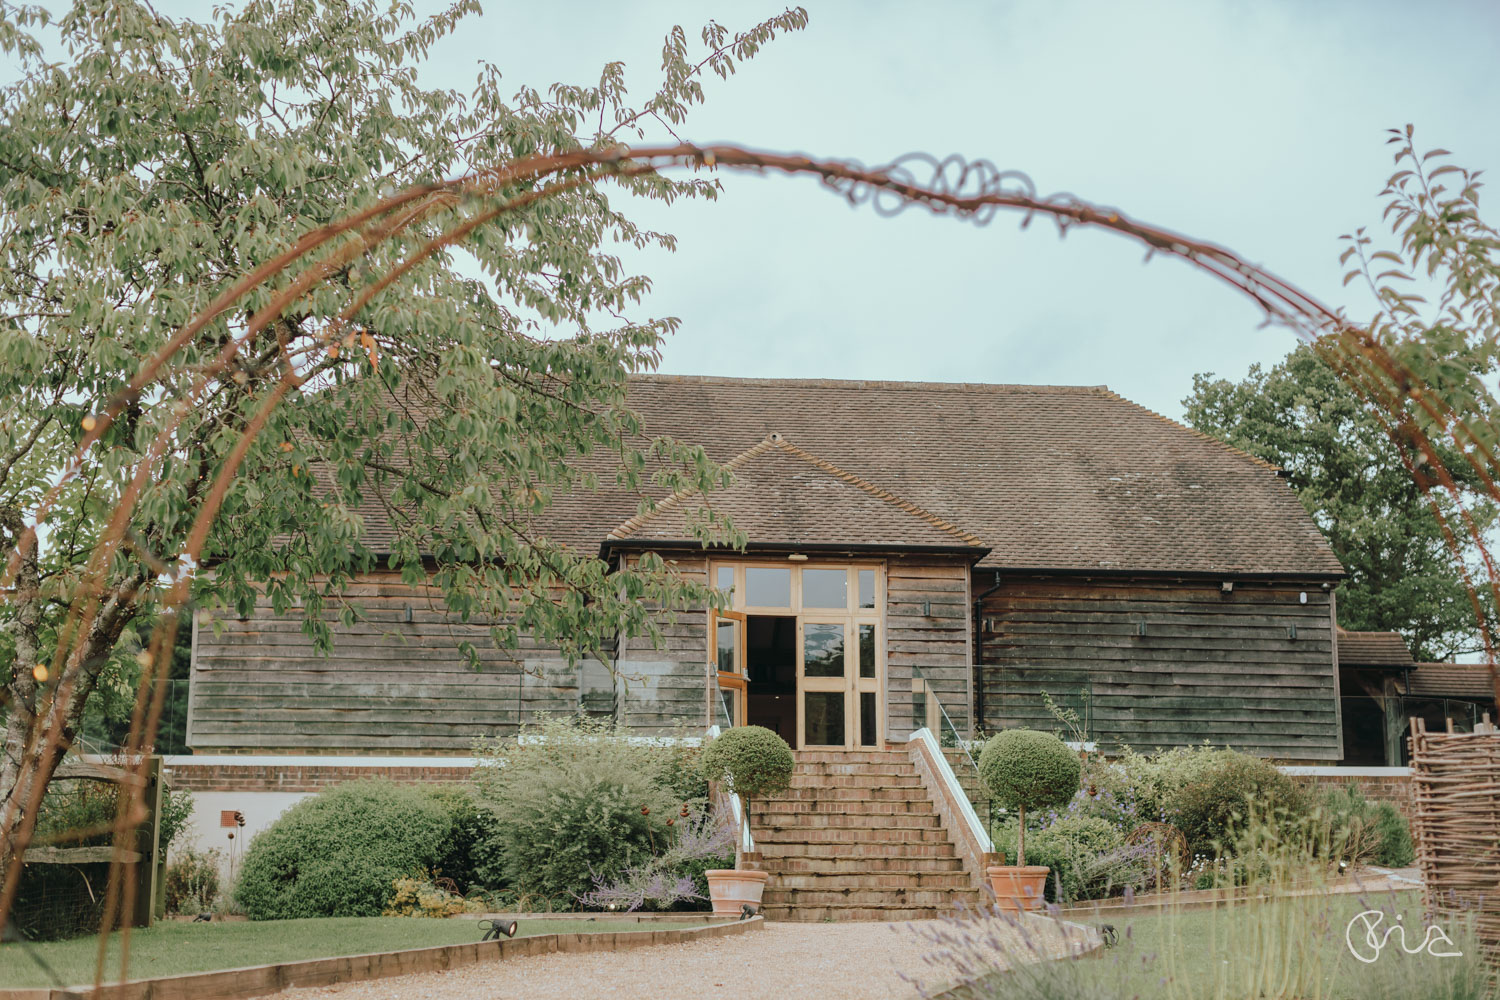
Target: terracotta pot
[[732, 888], [1018, 888]]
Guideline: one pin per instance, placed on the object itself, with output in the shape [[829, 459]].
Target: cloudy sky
[[1256, 125]]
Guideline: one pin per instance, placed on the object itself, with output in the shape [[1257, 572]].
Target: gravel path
[[848, 961]]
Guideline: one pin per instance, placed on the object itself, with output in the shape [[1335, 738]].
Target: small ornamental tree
[[754, 761], [147, 163], [1029, 770]]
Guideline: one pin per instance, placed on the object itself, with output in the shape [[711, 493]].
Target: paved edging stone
[[261, 980]]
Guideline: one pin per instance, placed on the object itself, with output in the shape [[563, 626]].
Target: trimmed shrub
[[1375, 831], [419, 896], [1024, 769], [192, 882], [1216, 806], [572, 803], [1088, 857], [469, 825], [752, 760], [1089, 832], [337, 854]]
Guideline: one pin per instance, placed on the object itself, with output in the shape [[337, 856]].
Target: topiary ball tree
[[1025, 770], [752, 760]]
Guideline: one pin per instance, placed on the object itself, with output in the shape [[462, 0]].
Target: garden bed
[[240, 960], [1360, 884], [1168, 953]]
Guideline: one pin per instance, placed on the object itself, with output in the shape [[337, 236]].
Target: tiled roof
[[1451, 680], [1373, 649], [782, 495], [1069, 478]]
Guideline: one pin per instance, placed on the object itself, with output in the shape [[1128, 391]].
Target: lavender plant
[[671, 877]]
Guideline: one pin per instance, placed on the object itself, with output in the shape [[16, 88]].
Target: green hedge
[[1213, 809], [575, 801], [338, 853]]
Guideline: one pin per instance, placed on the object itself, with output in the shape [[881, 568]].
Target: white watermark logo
[[1368, 945]]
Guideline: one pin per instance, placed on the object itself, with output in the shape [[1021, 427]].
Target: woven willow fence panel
[[1456, 795]]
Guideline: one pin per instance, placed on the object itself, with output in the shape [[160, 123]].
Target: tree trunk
[[21, 684], [1021, 837], [24, 764]]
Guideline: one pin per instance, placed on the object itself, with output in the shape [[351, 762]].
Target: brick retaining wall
[[1387, 784], [299, 774], [296, 775]]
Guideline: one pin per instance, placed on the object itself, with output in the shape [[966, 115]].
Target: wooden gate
[[144, 861]]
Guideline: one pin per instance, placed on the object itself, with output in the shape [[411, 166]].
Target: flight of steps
[[857, 838]]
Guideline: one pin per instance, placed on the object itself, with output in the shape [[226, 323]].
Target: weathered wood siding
[[662, 688], [927, 626], [1209, 666], [391, 683]]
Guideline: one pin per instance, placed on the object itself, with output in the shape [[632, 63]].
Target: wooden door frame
[[851, 617], [734, 680]]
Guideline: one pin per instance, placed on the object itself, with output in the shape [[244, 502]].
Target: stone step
[[859, 865], [773, 819], [857, 850], [849, 838], [856, 837], [850, 756], [835, 794], [940, 898], [827, 914], [897, 764], [901, 881], [803, 779], [854, 808]]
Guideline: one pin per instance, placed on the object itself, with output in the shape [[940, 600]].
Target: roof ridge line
[[636, 522], [878, 492], [886, 384]]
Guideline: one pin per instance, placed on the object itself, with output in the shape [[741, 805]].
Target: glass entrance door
[[839, 684], [833, 624]]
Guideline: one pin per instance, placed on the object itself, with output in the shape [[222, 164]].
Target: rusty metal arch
[[975, 191]]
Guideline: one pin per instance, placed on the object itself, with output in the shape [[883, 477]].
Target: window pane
[[867, 588], [825, 588], [867, 651], [867, 718], [823, 718], [822, 650], [728, 713], [726, 645], [768, 588], [725, 579]]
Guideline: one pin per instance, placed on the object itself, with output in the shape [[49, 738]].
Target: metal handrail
[[958, 739], [983, 804], [948, 778]]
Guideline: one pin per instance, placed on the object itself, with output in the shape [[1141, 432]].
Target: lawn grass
[[173, 948], [1290, 948]]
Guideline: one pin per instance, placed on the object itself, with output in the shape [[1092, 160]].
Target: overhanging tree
[[150, 164], [1390, 437], [1349, 474]]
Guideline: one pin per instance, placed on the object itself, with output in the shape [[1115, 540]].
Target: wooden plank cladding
[[396, 679], [1160, 663], [927, 627]]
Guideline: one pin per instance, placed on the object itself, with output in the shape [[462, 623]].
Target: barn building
[[919, 555]]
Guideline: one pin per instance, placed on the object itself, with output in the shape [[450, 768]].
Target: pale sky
[[1256, 125]]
